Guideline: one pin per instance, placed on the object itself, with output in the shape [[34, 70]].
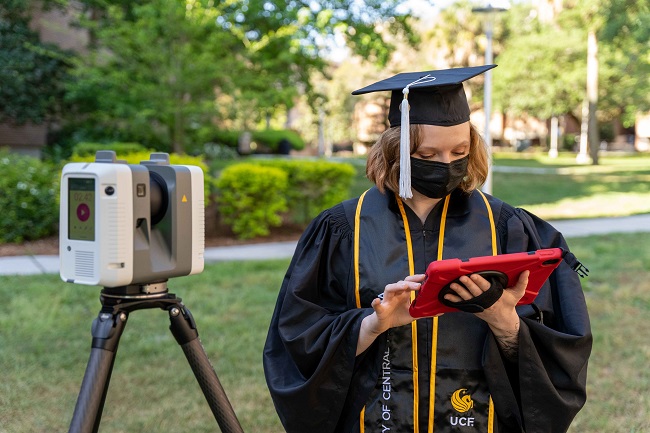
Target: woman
[[344, 355]]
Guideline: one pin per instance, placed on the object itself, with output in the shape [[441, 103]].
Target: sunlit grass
[[559, 188], [609, 204]]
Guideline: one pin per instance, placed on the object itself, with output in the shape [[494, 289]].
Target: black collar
[[458, 206]]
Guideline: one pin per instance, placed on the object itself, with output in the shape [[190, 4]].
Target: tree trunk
[[592, 96], [321, 132], [553, 144], [582, 157], [178, 134]]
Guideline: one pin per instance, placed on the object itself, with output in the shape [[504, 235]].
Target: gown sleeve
[[316, 381], [546, 387]]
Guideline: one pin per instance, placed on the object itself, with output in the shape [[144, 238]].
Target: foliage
[[267, 138], [28, 198], [313, 186], [32, 73], [251, 198], [285, 41], [455, 35], [233, 63], [625, 53], [330, 114], [125, 83], [543, 65], [89, 149], [228, 138], [529, 79]]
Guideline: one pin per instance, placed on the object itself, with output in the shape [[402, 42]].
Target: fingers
[[475, 285], [418, 278], [471, 286], [409, 284]]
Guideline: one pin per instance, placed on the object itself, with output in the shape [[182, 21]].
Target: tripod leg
[[184, 330], [106, 330]]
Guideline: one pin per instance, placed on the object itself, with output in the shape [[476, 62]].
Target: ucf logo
[[462, 402]]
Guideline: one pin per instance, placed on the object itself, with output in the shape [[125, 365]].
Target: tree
[[624, 51], [542, 74], [153, 70], [159, 65], [32, 73], [551, 60]]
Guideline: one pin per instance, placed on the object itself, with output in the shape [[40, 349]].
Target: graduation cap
[[428, 98]]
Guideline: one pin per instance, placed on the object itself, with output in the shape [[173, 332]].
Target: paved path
[[27, 265]]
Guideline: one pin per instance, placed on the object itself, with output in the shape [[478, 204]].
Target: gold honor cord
[[494, 253], [357, 219], [492, 226], [414, 325], [434, 336]]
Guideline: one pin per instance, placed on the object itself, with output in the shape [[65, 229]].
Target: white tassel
[[405, 140], [405, 150]]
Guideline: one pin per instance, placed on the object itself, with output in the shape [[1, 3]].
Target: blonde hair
[[382, 166]]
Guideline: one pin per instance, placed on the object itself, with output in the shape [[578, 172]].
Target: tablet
[[503, 269]]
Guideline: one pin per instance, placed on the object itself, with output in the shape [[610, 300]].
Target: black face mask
[[437, 179]]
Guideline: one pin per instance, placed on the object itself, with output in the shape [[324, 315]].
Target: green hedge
[[85, 149], [29, 198], [252, 198], [271, 138], [265, 138], [228, 138], [314, 185]]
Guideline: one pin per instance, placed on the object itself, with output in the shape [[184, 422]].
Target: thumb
[[522, 282]]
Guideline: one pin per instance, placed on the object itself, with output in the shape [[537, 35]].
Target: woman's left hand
[[501, 315]]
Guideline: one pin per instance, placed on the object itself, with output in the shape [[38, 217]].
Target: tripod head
[[152, 290]]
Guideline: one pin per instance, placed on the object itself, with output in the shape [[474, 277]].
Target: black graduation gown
[[319, 385]]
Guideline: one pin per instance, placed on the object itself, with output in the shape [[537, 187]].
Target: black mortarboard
[[432, 98]]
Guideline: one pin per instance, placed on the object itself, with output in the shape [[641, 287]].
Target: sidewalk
[[28, 265]]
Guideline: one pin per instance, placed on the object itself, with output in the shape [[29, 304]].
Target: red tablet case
[[540, 263]]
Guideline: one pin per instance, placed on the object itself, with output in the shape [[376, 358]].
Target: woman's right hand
[[391, 310]]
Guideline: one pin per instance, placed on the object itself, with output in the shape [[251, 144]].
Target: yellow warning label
[[184, 200]]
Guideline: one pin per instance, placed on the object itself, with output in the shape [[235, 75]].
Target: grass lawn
[[559, 188], [45, 343]]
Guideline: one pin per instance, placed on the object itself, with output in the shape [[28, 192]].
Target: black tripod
[[107, 328]]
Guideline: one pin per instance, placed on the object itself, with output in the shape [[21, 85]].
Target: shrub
[[251, 198], [227, 138], [29, 192], [314, 185], [89, 149], [268, 139]]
